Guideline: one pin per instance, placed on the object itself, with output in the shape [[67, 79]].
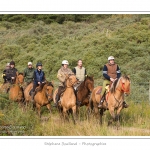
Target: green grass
[[134, 122]]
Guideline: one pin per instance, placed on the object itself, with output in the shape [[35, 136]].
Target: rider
[[80, 73], [39, 77], [61, 75], [28, 73], [111, 72], [5, 72], [11, 73]]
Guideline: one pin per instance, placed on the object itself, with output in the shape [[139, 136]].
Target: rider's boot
[[101, 102], [57, 99], [125, 105]]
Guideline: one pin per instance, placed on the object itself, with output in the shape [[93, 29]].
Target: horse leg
[[118, 116], [65, 114], [38, 107], [74, 114], [49, 108], [112, 113], [101, 116], [96, 111]]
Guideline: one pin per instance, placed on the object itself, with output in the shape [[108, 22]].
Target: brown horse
[[43, 96], [113, 100], [67, 103], [84, 90], [16, 91]]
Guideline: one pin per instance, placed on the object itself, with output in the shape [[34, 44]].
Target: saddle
[[100, 89]]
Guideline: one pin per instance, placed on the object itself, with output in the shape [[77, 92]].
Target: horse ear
[[128, 76], [52, 82], [17, 73]]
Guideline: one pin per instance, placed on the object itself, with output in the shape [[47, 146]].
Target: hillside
[[92, 38]]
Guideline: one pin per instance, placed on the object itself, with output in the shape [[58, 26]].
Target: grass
[[134, 122]]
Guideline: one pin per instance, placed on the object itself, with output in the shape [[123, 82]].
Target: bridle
[[48, 95], [70, 80], [123, 89]]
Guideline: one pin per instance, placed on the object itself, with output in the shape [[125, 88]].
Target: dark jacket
[[39, 76], [12, 72], [111, 71], [28, 74]]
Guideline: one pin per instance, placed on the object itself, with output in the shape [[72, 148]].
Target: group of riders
[[111, 72]]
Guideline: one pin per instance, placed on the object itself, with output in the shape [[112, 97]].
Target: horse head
[[89, 83], [19, 78], [49, 90], [122, 84], [125, 81], [71, 80]]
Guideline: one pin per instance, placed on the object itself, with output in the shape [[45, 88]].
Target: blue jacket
[[39, 76]]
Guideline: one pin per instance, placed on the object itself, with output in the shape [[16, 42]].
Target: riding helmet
[[38, 64]]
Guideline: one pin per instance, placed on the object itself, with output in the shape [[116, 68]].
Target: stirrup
[[100, 105]]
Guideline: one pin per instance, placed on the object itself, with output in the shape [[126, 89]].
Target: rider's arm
[[118, 72], [60, 76], [105, 73]]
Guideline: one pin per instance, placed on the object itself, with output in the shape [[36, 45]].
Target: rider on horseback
[[80, 73], [39, 77], [61, 75], [4, 75], [11, 73], [111, 72], [28, 74]]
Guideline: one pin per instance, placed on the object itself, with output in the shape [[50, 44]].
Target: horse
[[67, 103], [113, 99], [84, 91], [43, 96], [16, 90]]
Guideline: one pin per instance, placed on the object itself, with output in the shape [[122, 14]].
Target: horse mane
[[20, 73], [43, 84], [90, 78], [86, 78], [41, 87], [50, 84], [116, 83]]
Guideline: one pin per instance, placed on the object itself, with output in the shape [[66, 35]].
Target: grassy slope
[[124, 36]]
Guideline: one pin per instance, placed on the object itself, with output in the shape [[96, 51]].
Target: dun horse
[[43, 96], [16, 91], [114, 99], [68, 99]]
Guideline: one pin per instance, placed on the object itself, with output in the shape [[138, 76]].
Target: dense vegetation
[[52, 38], [93, 38]]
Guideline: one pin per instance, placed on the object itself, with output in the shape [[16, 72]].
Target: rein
[[120, 102]]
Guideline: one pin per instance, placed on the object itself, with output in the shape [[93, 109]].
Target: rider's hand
[[13, 77], [39, 83], [112, 80]]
